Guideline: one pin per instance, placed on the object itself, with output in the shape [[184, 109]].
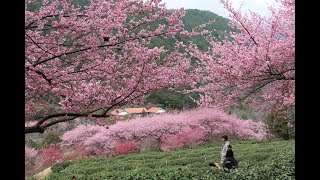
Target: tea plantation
[[257, 160]]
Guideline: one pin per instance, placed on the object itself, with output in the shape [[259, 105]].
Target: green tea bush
[[60, 166], [257, 160]]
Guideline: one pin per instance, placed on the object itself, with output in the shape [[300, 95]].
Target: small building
[[156, 110], [118, 112], [136, 110]]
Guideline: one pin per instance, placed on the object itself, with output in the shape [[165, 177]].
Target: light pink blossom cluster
[[187, 137], [30, 123], [77, 151], [255, 64], [51, 155], [125, 148], [30, 152], [79, 60], [171, 130], [96, 56], [32, 160]]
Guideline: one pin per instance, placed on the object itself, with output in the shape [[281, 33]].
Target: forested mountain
[[192, 19]]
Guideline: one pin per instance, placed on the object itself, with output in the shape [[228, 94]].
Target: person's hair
[[225, 137]]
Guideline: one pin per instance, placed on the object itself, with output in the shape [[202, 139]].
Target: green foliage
[[195, 17], [111, 121], [47, 139], [80, 3], [168, 99], [33, 144], [257, 160], [60, 166], [34, 6], [244, 111], [51, 138], [278, 126], [243, 116]]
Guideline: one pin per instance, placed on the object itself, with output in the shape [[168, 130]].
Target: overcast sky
[[216, 7]]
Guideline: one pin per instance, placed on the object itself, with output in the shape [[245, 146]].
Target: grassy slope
[[257, 160]]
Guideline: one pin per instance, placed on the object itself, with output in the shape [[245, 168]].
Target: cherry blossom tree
[[254, 64], [82, 61]]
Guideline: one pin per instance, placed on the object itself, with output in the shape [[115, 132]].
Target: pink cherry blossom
[[256, 64], [79, 60], [170, 130]]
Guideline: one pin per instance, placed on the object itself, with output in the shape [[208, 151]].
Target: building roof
[[116, 112], [136, 110], [160, 111], [153, 109], [123, 113], [156, 110]]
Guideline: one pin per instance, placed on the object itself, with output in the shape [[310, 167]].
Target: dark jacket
[[230, 162]]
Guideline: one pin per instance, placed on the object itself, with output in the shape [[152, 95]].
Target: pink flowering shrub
[[192, 137], [30, 160], [171, 142], [188, 137], [51, 155], [149, 143], [78, 151], [96, 151], [171, 130], [79, 133], [30, 152], [126, 147]]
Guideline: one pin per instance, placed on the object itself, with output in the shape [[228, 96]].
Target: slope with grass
[[257, 160]]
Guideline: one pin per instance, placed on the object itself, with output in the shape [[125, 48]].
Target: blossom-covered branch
[[81, 60], [255, 64]]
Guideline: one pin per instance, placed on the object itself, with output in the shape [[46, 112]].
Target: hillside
[[257, 160], [192, 19]]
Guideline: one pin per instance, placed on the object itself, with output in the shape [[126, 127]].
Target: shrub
[[166, 128], [171, 142], [125, 148], [32, 161], [78, 151], [149, 143], [30, 152], [258, 160], [51, 138], [188, 137], [33, 144], [279, 125], [60, 166], [243, 116], [51, 155], [192, 137]]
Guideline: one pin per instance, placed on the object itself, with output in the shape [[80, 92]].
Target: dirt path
[[43, 173]]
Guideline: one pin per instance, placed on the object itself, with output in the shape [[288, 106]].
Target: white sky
[[216, 7]]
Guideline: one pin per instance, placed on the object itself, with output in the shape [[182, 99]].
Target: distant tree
[[280, 124]]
